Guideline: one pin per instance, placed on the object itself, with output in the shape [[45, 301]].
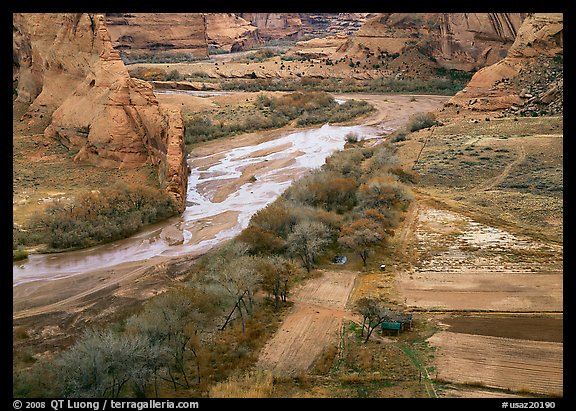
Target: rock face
[[139, 35], [272, 26], [185, 35], [462, 41], [66, 68], [321, 24], [529, 81], [230, 32]]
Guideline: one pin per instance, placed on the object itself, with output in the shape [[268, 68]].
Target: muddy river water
[[212, 215], [302, 151]]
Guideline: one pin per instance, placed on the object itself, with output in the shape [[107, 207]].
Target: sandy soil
[[497, 362], [505, 291], [313, 324], [463, 266]]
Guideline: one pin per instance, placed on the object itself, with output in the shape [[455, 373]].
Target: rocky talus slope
[[529, 81]]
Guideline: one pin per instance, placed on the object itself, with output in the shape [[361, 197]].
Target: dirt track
[[312, 325]]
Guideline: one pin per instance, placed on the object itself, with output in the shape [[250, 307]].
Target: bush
[[106, 215], [352, 138], [19, 255], [307, 108], [421, 120]]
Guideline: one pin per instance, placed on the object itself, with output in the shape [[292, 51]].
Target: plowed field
[[312, 325]]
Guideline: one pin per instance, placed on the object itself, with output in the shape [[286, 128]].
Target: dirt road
[[312, 325]]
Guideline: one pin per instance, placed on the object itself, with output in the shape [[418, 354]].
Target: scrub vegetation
[[191, 340], [300, 108]]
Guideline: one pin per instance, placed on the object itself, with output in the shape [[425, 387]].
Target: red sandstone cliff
[[530, 79], [463, 41], [74, 81]]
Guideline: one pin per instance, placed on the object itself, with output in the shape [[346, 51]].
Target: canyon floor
[[478, 259]]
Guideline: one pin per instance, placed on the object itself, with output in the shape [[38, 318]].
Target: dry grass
[[504, 171], [253, 384]]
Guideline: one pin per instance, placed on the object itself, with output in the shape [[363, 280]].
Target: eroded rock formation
[[529, 80], [230, 32], [272, 26], [462, 41], [145, 35], [66, 69]]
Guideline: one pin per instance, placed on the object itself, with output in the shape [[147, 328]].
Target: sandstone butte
[[72, 78]]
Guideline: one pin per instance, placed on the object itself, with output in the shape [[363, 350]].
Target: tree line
[[197, 334], [95, 217]]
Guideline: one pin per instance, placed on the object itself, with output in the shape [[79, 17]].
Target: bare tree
[[276, 273], [169, 321], [361, 236], [308, 240], [374, 313], [235, 272], [102, 363]]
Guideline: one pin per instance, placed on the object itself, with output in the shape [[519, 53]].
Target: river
[[230, 180], [296, 152]]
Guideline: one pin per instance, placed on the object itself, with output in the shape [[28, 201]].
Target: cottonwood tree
[[384, 192], [261, 241], [361, 236], [276, 218], [169, 321], [236, 274], [276, 274], [308, 240], [328, 190], [102, 363]]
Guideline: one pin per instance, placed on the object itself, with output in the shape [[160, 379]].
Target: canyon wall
[[462, 41], [146, 35], [71, 79], [530, 80], [196, 35], [229, 32]]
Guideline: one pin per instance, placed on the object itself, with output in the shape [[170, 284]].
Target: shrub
[[352, 138], [19, 255], [421, 120], [102, 216]]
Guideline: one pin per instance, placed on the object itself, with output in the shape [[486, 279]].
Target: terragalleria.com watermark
[[97, 405]]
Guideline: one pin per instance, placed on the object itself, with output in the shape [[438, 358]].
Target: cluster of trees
[[305, 108], [352, 203], [171, 343], [97, 216], [157, 347]]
